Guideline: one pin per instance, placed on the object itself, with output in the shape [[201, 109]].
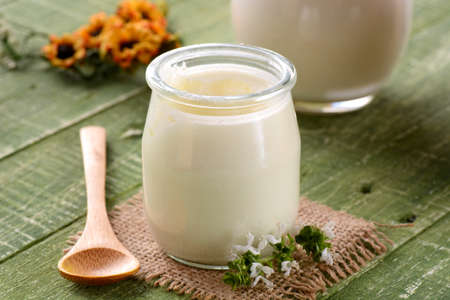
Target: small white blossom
[[257, 267], [239, 249], [272, 239], [328, 229], [326, 257], [266, 281], [276, 238], [287, 266], [248, 247], [262, 244]]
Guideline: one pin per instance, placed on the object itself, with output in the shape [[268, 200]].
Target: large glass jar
[[220, 149], [344, 49]]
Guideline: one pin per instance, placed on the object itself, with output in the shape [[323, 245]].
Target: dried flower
[[64, 51], [134, 42], [137, 10], [136, 34], [92, 32]]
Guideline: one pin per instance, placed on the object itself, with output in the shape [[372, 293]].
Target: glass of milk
[[220, 150], [344, 49]]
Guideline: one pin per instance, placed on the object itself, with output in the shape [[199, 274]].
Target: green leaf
[[313, 241], [284, 250], [239, 274]]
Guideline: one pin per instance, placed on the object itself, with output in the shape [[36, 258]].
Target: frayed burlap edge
[[356, 242]]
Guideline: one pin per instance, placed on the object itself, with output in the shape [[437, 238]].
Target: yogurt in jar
[[218, 163], [344, 49]]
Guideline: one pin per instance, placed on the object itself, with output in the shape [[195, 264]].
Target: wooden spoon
[[98, 257]]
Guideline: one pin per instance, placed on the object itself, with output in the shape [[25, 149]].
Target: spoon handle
[[93, 145]]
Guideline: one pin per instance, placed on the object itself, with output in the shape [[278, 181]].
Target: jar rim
[[286, 80]]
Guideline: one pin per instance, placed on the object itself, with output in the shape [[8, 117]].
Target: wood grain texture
[[398, 149], [419, 270], [98, 257], [35, 276], [63, 101], [43, 185]]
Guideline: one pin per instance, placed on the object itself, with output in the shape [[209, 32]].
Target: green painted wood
[[33, 275], [39, 102], [399, 146], [5, 2], [419, 270], [43, 186]]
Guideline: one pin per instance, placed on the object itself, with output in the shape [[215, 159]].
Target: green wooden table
[[383, 163]]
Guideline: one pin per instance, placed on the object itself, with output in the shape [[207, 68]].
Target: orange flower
[[170, 41], [113, 23], [136, 10], [64, 51], [91, 33], [135, 41]]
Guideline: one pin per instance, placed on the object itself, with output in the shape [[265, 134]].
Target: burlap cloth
[[356, 242]]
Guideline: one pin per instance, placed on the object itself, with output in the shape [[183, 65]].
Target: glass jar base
[[336, 107], [197, 265]]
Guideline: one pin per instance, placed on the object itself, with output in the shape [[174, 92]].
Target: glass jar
[[345, 49], [219, 164]]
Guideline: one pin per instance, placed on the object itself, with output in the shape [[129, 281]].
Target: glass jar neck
[[171, 76]]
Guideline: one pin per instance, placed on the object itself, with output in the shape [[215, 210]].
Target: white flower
[[328, 229], [257, 267], [261, 245], [276, 238], [287, 266], [248, 247], [266, 281], [238, 249], [326, 257], [272, 239]]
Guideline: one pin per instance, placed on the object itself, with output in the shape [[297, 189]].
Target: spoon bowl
[[98, 257], [98, 266]]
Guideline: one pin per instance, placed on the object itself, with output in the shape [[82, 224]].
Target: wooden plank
[[43, 187], [419, 270], [40, 101], [43, 15], [22, 276], [427, 13], [46, 103], [5, 2]]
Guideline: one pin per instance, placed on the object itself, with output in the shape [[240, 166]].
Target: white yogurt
[[344, 49], [213, 175]]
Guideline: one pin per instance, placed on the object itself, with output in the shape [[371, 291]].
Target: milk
[[211, 177], [343, 49]]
